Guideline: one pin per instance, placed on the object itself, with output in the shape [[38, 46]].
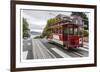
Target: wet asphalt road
[[42, 49]]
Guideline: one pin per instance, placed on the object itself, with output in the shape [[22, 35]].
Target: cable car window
[[66, 31], [70, 31], [75, 31]]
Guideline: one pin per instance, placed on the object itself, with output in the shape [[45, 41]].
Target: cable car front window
[[70, 31], [66, 31], [75, 31]]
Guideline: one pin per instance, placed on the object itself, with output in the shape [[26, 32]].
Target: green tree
[[84, 17], [84, 33], [25, 28], [49, 22]]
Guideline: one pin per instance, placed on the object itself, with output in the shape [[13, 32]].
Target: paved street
[[42, 49]]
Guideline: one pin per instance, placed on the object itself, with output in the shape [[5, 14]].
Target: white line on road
[[83, 49], [41, 51], [60, 52], [47, 49], [78, 54], [34, 50]]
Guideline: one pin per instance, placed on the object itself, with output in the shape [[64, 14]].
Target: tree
[[84, 17], [25, 28], [49, 22]]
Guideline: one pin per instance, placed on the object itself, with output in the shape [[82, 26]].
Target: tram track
[[40, 52], [71, 53], [46, 50], [79, 52], [42, 49], [49, 46]]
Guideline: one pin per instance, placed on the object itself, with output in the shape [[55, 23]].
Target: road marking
[[79, 54], [34, 49], [60, 52], [47, 49], [41, 51], [82, 48]]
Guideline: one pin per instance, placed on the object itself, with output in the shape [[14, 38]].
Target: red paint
[[73, 41], [70, 41]]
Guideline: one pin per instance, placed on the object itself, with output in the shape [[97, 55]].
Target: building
[[75, 19]]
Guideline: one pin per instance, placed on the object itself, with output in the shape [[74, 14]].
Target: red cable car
[[65, 33]]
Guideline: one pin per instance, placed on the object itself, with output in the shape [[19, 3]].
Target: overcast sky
[[37, 19]]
